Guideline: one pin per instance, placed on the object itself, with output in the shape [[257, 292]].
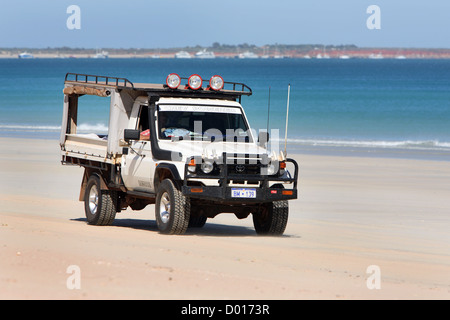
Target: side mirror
[[263, 138], [131, 134]]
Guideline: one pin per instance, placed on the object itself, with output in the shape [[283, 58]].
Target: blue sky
[[177, 23]]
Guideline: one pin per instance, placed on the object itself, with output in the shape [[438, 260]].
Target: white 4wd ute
[[187, 149]]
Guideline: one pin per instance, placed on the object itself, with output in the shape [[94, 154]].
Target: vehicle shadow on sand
[[209, 229]]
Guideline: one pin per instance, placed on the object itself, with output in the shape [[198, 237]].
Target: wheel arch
[[166, 171], [88, 172]]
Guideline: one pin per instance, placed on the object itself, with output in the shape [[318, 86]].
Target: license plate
[[243, 193]]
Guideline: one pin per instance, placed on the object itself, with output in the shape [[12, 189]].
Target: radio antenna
[[268, 112], [287, 117]]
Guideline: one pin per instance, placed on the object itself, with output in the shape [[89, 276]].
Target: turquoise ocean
[[356, 106]]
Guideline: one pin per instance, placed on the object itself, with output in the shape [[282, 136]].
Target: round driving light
[[271, 170], [216, 83], [173, 81], [195, 82], [207, 167]]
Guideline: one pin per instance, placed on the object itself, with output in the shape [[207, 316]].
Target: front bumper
[[225, 194], [260, 190]]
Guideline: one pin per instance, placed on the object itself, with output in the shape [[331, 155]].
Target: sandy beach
[[352, 213]]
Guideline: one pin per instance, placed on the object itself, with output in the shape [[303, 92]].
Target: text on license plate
[[243, 193]]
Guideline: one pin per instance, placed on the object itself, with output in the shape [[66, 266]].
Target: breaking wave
[[29, 128], [406, 144], [400, 144], [99, 127]]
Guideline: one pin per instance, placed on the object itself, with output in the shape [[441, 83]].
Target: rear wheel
[[172, 209], [272, 218], [100, 206]]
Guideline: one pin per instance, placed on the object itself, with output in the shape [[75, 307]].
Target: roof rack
[[234, 89], [100, 80]]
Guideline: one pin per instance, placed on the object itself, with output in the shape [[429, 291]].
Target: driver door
[[138, 167]]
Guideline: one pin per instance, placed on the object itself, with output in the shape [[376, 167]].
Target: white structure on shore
[[205, 54], [248, 55], [25, 55], [320, 56], [101, 55], [183, 55], [376, 56]]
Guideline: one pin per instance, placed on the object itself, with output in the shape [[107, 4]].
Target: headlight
[[271, 169], [207, 166]]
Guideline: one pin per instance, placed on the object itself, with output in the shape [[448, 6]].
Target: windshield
[[201, 125]]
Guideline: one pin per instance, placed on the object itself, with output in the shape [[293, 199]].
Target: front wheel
[[172, 209], [272, 218], [100, 206], [197, 222]]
